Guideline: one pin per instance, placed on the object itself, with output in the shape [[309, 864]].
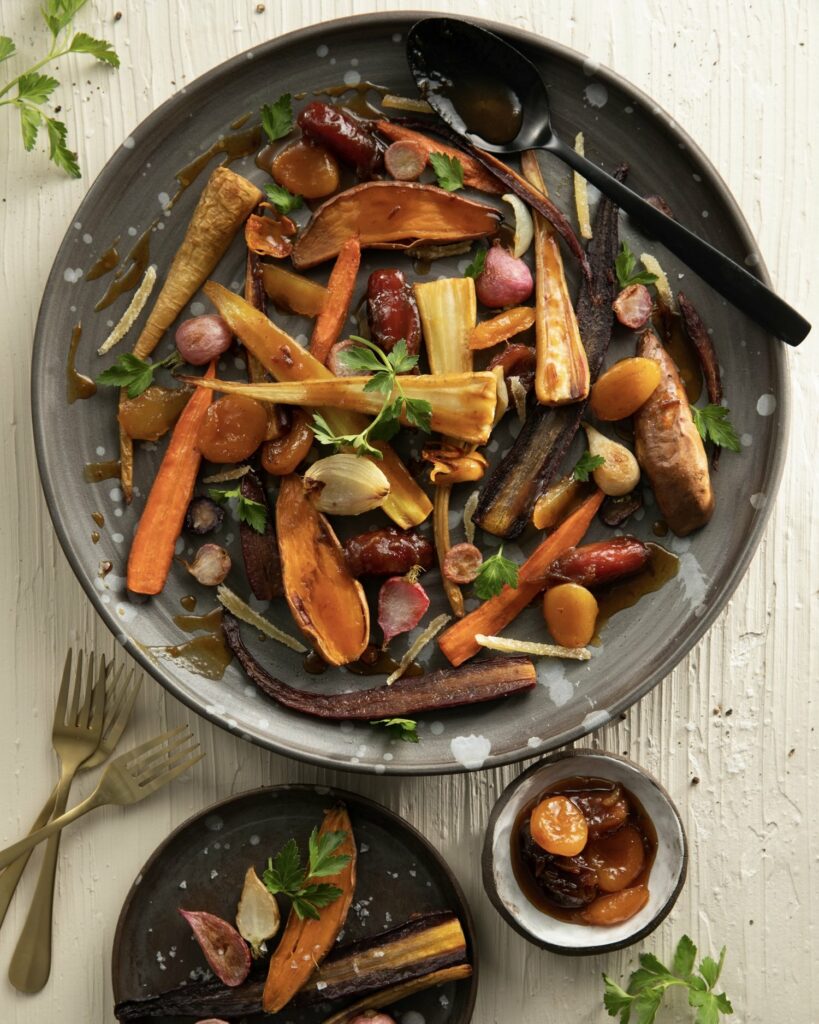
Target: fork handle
[[10, 878], [11, 853], [31, 963]]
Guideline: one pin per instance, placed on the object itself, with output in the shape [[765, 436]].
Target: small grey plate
[[640, 645], [201, 866], [667, 872]]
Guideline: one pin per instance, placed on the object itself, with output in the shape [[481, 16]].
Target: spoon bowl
[[493, 97], [443, 54]]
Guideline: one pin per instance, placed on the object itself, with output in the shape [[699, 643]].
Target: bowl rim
[[488, 858], [655, 673], [331, 792]]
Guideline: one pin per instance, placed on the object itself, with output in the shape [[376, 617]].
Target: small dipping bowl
[[665, 880]]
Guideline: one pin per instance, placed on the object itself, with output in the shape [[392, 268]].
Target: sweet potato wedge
[[327, 602], [391, 215], [305, 942], [669, 447]]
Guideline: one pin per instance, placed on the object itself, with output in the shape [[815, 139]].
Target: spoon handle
[[731, 280]]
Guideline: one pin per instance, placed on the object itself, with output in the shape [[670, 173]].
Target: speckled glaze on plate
[[640, 645], [665, 880], [202, 864]]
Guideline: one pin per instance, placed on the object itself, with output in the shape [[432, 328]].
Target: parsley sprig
[[283, 200], [33, 89], [400, 728], [251, 512], [495, 573], [713, 425], [585, 465], [478, 263], [624, 265], [277, 118], [449, 171], [285, 874], [134, 374], [648, 985], [385, 369]]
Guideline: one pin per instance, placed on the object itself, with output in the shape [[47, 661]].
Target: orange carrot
[[330, 321], [164, 514], [501, 327], [474, 174], [458, 642]]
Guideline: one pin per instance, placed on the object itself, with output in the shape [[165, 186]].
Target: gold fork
[[119, 702], [31, 963], [128, 779]]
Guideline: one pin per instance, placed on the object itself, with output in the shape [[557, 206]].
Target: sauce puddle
[[77, 385]]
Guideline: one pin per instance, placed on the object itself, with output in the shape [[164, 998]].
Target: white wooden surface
[[737, 714]]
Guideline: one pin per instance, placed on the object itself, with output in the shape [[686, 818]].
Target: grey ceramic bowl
[[640, 646], [665, 880]]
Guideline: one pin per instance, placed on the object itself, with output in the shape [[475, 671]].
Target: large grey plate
[[641, 645], [202, 864]]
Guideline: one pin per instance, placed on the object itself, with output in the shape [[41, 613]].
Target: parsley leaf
[[58, 14], [251, 512], [58, 151], [283, 200], [449, 171], [285, 874], [624, 265], [277, 118], [586, 464], [713, 425], [134, 374], [385, 369], [495, 573], [324, 860], [7, 47], [476, 266], [400, 728], [639, 1001], [30, 118], [34, 88], [99, 48]]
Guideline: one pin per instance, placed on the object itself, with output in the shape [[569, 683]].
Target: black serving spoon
[[490, 94]]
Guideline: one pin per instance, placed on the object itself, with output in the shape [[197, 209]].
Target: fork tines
[[163, 758]]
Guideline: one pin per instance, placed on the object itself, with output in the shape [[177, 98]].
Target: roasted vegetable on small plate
[[406, 946]]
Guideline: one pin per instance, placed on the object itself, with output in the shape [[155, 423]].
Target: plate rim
[[659, 671], [332, 792]]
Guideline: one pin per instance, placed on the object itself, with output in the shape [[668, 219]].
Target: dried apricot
[[559, 826], [618, 858], [281, 456], [616, 907], [624, 387], [233, 429], [570, 612], [306, 168]]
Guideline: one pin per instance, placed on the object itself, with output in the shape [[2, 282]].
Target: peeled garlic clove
[[620, 473], [524, 226], [345, 485], [257, 916]]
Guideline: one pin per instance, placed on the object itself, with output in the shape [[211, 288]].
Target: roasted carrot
[[330, 321], [226, 201], [474, 175], [501, 327], [161, 523], [562, 369], [305, 942], [458, 642]]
